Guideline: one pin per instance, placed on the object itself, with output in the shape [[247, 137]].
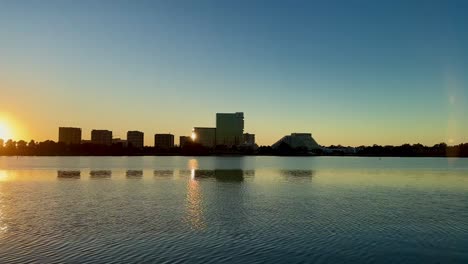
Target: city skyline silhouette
[[365, 73], [221, 131]]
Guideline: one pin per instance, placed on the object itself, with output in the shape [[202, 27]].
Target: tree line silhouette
[[416, 150], [51, 148]]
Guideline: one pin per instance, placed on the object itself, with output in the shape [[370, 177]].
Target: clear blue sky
[[349, 72]]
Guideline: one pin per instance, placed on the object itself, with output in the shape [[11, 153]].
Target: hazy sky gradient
[[349, 72]]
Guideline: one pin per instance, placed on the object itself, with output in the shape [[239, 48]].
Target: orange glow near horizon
[[11, 128], [5, 130]]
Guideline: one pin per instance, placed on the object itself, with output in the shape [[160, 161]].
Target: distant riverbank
[[51, 148], [230, 155]]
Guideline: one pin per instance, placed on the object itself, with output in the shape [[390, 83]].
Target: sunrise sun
[[5, 131]]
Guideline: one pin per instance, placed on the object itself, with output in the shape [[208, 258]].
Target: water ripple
[[228, 215]]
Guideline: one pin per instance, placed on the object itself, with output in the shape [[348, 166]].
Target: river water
[[233, 209]]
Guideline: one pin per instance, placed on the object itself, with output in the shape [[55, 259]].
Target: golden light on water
[[194, 199], [192, 164], [3, 175], [194, 205], [3, 225]]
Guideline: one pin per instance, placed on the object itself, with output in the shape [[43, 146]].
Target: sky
[[349, 72]]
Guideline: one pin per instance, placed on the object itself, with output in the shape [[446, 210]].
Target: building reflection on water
[[197, 214], [297, 175], [231, 175], [228, 199], [163, 173], [249, 173], [68, 174], [134, 174], [100, 174]]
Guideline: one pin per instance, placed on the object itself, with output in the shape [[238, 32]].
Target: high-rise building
[[184, 140], [70, 135], [249, 139], [229, 128], [164, 141], [102, 137], [135, 139], [205, 136]]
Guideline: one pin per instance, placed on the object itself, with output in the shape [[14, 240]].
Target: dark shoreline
[[233, 155], [51, 148]]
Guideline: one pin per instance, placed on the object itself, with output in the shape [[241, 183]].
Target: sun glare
[[5, 132]]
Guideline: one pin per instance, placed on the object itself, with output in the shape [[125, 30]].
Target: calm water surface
[[233, 209]]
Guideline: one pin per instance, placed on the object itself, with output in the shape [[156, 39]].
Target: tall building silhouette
[[229, 128], [70, 135], [135, 139], [164, 141], [102, 137]]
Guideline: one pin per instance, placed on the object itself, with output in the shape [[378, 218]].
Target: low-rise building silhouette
[[101, 137], [337, 150], [249, 139], [205, 136], [164, 141], [70, 135], [184, 140], [135, 139], [297, 140], [123, 142]]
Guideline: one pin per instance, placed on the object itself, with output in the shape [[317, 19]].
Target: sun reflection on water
[[194, 205], [194, 199], [3, 175], [3, 225]]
